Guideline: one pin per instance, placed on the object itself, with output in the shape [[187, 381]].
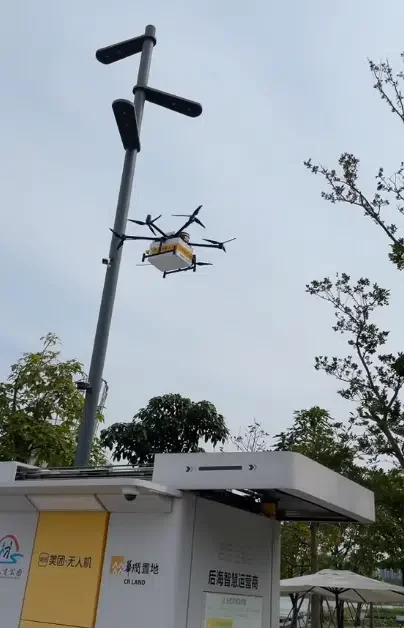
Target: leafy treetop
[[168, 424], [41, 408], [343, 184], [370, 376]]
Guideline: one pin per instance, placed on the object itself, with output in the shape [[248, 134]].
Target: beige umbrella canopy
[[344, 586]]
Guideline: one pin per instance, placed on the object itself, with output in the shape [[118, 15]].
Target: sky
[[279, 82]]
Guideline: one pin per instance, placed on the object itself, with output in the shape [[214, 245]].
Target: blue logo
[[10, 550]]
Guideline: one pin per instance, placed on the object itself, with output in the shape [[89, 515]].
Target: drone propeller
[[121, 237], [220, 245], [192, 217], [149, 222], [203, 264]]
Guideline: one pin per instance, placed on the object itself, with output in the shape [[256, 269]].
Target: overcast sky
[[279, 82]]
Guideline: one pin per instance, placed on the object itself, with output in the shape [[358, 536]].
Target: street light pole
[[128, 116]]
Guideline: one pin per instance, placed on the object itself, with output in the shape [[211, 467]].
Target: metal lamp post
[[128, 117]]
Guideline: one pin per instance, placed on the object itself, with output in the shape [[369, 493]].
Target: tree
[[370, 378], [168, 424], [253, 438], [385, 538], [343, 181], [316, 435], [373, 380], [311, 547], [307, 547], [296, 545], [41, 408]]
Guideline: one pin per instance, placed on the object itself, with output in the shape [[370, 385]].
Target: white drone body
[[172, 254]]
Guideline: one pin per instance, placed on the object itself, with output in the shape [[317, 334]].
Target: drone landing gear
[[183, 270], [145, 256]]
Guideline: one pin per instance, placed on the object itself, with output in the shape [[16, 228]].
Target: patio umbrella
[[344, 586]]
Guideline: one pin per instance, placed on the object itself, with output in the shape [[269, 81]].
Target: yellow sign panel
[[34, 624], [218, 622], [166, 248], [64, 579]]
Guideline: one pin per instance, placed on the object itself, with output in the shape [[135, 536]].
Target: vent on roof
[[27, 474]]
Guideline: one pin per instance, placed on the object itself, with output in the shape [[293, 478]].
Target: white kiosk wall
[[17, 533], [159, 567], [235, 554], [146, 571]]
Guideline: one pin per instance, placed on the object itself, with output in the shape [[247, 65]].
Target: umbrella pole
[[339, 609], [295, 610], [371, 615]]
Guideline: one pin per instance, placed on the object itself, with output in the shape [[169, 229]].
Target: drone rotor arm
[[184, 226], [116, 234], [217, 244], [191, 219], [151, 224], [160, 231], [146, 238], [142, 223], [204, 246]]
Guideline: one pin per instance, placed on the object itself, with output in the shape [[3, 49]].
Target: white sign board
[[17, 533], [232, 556], [146, 556], [232, 611]]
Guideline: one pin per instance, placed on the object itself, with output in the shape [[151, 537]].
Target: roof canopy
[[347, 585], [27, 488], [288, 484], [302, 488]]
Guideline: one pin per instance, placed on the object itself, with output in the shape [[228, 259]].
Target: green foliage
[[340, 546], [315, 434], [295, 549], [386, 536], [343, 182], [373, 379], [370, 378], [40, 408], [168, 424], [384, 617]]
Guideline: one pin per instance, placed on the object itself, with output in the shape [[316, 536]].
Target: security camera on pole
[[128, 117]]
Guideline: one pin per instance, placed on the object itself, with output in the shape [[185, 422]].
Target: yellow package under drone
[[173, 254]]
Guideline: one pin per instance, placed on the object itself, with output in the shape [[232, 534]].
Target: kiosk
[[193, 542]]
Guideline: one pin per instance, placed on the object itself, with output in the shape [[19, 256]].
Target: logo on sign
[[60, 560], [117, 565], [10, 550], [10, 557], [135, 572]]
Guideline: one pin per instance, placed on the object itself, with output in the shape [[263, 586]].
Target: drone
[[171, 252]]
